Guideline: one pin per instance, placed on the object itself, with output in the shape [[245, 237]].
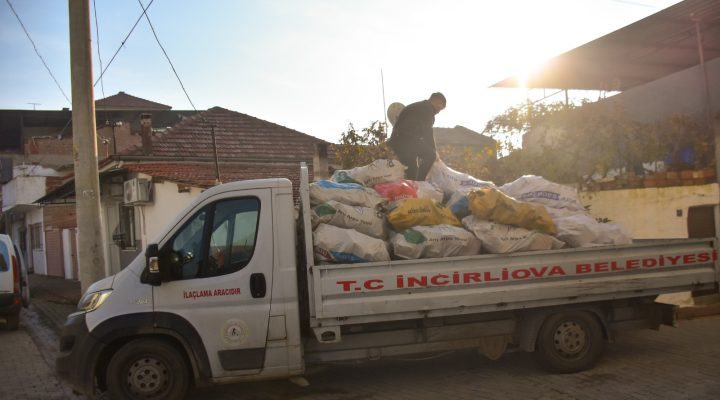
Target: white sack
[[365, 220], [378, 171], [427, 190], [611, 233], [500, 238], [536, 189], [434, 242], [347, 193], [337, 245], [580, 229], [449, 180]]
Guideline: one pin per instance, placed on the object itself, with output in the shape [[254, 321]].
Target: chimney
[[146, 133], [320, 161]]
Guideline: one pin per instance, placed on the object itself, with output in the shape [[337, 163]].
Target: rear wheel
[[147, 369], [570, 342]]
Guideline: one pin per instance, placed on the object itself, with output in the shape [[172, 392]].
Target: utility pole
[[91, 256]]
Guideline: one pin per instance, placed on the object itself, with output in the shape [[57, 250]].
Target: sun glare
[[527, 69], [522, 79]]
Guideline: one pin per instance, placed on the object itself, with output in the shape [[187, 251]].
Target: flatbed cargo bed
[[343, 294]]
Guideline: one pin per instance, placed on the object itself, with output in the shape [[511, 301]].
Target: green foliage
[[362, 148], [567, 143], [470, 160]]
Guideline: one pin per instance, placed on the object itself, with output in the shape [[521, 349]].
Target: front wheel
[[147, 369], [570, 342]]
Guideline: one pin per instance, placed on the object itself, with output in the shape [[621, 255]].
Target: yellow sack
[[493, 205], [414, 212]]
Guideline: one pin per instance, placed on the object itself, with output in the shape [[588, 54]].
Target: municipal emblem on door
[[234, 332]]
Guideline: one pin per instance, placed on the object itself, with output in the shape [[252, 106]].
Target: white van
[[14, 289]]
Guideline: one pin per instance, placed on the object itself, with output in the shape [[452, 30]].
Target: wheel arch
[[171, 328]]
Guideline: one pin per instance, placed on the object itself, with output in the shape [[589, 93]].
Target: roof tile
[[238, 137], [124, 101]]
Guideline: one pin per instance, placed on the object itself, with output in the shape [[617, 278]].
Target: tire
[[570, 342], [147, 369], [12, 321]]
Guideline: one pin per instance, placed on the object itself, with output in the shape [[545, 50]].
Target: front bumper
[[79, 353]]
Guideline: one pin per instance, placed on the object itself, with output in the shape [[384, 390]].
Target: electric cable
[[166, 54], [121, 44], [97, 36], [38, 52]]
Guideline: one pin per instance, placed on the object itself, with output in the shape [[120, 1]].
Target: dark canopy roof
[[659, 45]]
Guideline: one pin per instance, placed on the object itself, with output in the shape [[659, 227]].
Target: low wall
[[651, 213]]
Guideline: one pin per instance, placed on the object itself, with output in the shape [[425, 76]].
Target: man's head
[[438, 101]]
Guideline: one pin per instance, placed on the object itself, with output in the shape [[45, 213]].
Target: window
[[36, 233], [4, 258], [233, 237], [218, 240], [124, 235], [185, 251]]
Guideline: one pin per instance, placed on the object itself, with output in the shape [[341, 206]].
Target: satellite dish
[[393, 112]]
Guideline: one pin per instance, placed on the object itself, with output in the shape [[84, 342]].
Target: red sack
[[393, 191]]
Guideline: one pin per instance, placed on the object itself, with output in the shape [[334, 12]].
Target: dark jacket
[[414, 126]]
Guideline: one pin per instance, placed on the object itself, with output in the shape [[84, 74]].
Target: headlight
[[92, 301]]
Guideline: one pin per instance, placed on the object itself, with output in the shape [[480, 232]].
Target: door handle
[[258, 287]]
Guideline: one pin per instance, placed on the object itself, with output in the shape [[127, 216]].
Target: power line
[[37, 52], [165, 52], [202, 118], [122, 44], [97, 35]]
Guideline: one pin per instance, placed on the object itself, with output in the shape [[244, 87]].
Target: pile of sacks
[[371, 213]]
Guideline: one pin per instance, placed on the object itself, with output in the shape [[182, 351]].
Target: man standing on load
[[412, 137]]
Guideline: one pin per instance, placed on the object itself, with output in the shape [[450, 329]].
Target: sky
[[312, 65]]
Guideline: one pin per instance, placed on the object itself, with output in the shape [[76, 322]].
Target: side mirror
[[151, 274]]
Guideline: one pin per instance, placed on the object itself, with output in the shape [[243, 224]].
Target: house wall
[[651, 213], [60, 216], [112, 253], [167, 204], [116, 138], [22, 190], [54, 151], [150, 219]]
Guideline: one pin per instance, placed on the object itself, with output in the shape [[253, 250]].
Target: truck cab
[[221, 303]]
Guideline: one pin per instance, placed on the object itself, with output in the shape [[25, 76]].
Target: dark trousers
[[417, 157]]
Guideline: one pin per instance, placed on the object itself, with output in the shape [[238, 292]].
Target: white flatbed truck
[[229, 292]]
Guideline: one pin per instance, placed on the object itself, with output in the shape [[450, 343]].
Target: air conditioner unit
[[136, 191]]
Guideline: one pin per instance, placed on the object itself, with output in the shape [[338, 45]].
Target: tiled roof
[[461, 136], [238, 137], [124, 101], [203, 174]]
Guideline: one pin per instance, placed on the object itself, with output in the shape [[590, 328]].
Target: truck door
[[220, 264]]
